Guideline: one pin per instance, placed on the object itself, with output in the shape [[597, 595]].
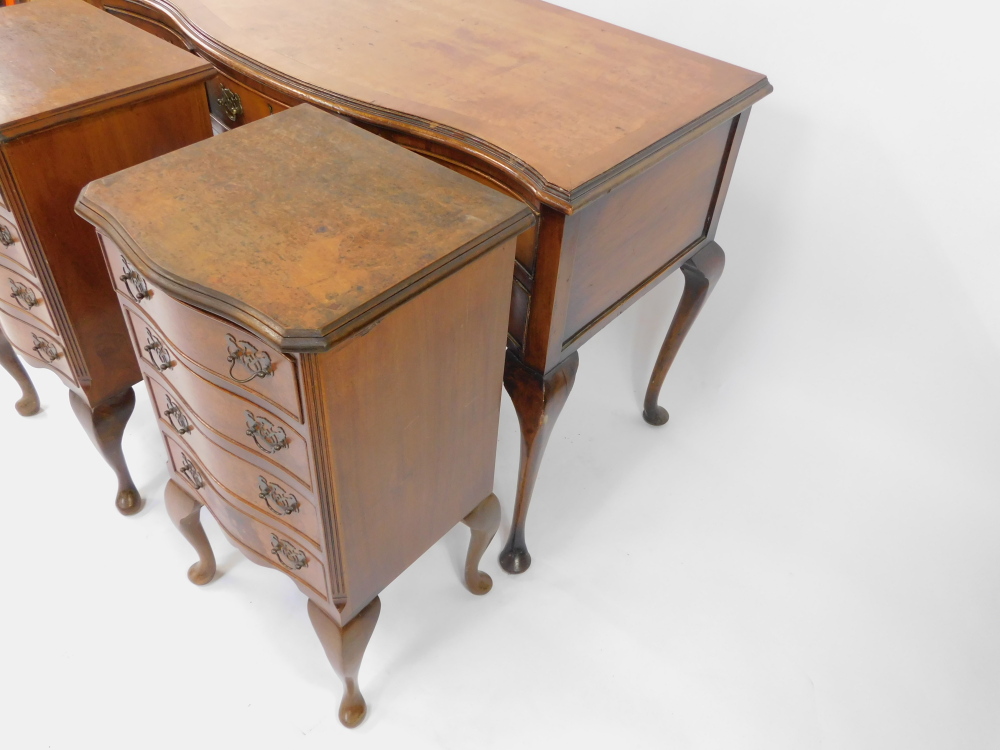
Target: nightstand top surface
[[63, 58], [297, 224]]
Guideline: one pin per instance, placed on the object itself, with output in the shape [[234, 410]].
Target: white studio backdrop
[[806, 556]]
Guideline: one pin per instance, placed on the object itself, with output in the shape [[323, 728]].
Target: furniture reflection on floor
[[320, 318], [68, 115], [623, 146]]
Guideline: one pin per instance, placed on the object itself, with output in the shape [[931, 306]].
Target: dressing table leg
[[345, 646], [184, 510], [105, 424], [537, 400], [483, 521], [28, 404], [701, 272]]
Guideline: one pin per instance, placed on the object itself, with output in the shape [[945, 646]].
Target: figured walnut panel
[[262, 539], [207, 408], [205, 341]]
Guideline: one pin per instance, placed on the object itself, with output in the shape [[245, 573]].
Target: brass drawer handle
[[191, 473], [6, 238], [230, 103], [269, 438], [159, 355], [45, 349], [24, 296], [288, 554], [135, 284], [279, 501], [258, 364], [178, 419]]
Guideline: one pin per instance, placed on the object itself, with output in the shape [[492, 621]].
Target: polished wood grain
[[82, 95], [28, 405], [400, 395]]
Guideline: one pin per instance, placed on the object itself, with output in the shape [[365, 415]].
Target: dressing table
[[622, 145]]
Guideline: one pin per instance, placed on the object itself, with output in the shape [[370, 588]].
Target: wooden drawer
[[23, 293], [203, 406], [282, 547], [232, 104], [288, 504], [7, 214], [210, 344], [11, 245], [41, 347]]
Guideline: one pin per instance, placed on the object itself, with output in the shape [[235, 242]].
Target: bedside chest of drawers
[[320, 317], [82, 95]]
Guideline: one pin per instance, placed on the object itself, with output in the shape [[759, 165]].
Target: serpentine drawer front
[[235, 356], [319, 316], [82, 95]]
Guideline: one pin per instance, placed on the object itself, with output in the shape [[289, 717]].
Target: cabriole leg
[[537, 400], [28, 404], [483, 521], [701, 271], [345, 646], [185, 510], [105, 424]]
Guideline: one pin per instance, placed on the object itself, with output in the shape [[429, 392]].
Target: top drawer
[[233, 104], [209, 343], [10, 242]]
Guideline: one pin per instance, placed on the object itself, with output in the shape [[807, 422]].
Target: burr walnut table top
[[558, 97], [89, 58], [300, 225]]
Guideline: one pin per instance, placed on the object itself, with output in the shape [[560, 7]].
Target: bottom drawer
[[284, 550], [40, 347]]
